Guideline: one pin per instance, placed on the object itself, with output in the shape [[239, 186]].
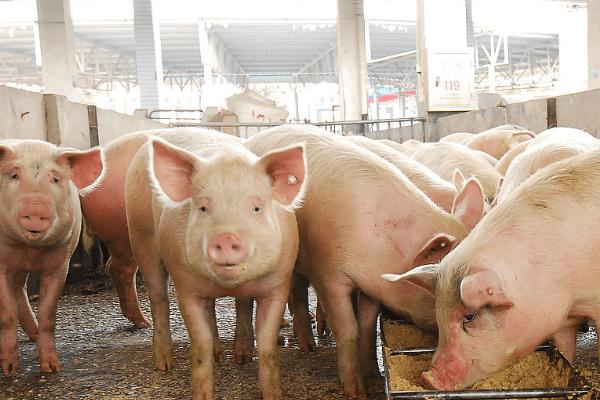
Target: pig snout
[[35, 218], [227, 249], [448, 373]]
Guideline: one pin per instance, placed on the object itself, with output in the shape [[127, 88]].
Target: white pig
[[222, 222], [528, 272], [437, 189], [498, 141], [41, 222], [444, 158], [361, 217], [458, 137], [546, 148]]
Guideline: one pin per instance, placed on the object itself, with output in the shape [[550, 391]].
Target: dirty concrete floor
[[104, 358]]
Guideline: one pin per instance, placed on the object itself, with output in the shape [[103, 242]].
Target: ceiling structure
[[301, 51]]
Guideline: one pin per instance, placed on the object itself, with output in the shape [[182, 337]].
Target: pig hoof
[[218, 355], [142, 324], [323, 330], [163, 362], [9, 365], [32, 335], [50, 363], [163, 365], [355, 390], [243, 356], [307, 344], [272, 394]]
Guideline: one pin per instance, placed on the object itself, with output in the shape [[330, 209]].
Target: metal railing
[[397, 129]]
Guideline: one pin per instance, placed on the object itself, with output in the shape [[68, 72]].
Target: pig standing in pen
[[361, 217], [41, 222], [223, 224], [104, 211], [527, 273]]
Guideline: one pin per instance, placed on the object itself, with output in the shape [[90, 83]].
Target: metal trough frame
[[577, 388]]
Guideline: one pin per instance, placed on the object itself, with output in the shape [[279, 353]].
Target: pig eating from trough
[[525, 274]]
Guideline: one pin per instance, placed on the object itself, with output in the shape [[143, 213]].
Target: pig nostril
[[235, 247]]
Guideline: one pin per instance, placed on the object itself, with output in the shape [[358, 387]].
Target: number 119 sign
[[450, 81]]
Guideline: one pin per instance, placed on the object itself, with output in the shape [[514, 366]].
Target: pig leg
[[9, 349], [269, 312], [51, 286], [26, 316], [566, 341], [337, 301], [243, 343], [368, 310], [122, 269], [301, 323], [322, 327], [156, 281], [196, 315], [217, 351]]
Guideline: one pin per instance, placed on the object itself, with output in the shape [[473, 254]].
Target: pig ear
[[435, 249], [469, 203], [495, 201], [458, 179], [87, 167], [423, 276], [524, 133], [172, 169], [287, 169], [6, 152], [482, 289]]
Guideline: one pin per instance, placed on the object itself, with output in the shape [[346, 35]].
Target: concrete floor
[[104, 358]]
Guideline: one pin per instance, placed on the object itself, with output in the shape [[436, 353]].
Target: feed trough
[[545, 374]]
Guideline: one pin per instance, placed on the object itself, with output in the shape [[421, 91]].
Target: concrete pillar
[[148, 54], [593, 27], [351, 59], [573, 49], [59, 71]]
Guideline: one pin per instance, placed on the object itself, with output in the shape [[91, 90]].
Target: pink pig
[[41, 222], [362, 217], [220, 221], [525, 274], [104, 211], [437, 189]]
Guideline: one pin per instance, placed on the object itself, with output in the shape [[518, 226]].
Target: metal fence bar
[[366, 127]]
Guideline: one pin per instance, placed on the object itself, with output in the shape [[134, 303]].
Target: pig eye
[[469, 318], [204, 209], [55, 179], [257, 209], [13, 175]]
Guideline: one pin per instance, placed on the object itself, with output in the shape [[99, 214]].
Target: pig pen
[[104, 357]]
